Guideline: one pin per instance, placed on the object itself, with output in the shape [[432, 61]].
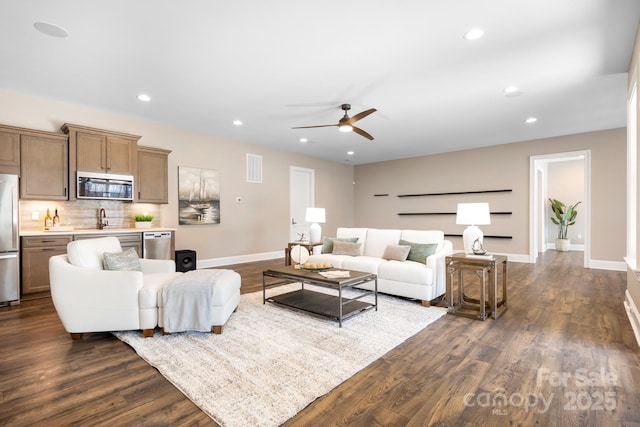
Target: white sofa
[[423, 281]]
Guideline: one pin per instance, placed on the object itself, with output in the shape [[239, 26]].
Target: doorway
[[538, 195], [301, 197]]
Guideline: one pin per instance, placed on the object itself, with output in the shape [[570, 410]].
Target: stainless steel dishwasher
[[157, 245]]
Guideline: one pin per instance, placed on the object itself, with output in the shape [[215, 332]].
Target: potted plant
[[564, 217], [143, 220]]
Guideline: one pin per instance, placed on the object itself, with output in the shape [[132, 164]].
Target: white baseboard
[[608, 265], [633, 314], [571, 247], [217, 262]]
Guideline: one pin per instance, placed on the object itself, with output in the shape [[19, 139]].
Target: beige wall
[[565, 182], [261, 223], [495, 168], [258, 225]]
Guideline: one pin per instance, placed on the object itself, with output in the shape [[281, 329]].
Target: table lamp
[[315, 216], [472, 215]]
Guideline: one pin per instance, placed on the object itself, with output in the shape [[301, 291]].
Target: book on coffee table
[[334, 274]]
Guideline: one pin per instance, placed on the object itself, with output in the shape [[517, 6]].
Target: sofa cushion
[[424, 236], [360, 233], [377, 241], [122, 261], [327, 244], [396, 252], [368, 264], [419, 251], [406, 271], [87, 253], [346, 248]]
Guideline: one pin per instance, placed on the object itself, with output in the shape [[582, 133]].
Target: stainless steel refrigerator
[[9, 240]]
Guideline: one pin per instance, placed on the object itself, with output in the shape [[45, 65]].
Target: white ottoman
[[198, 300]]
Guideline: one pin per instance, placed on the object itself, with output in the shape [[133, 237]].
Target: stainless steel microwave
[[105, 186]]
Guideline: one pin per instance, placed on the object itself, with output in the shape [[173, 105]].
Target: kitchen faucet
[[103, 219]]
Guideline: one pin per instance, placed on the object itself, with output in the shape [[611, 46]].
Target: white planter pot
[[143, 224], [563, 245]]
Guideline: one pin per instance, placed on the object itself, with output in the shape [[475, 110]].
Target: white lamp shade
[[473, 214], [315, 215]]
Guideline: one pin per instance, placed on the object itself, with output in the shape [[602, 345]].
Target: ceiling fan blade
[[361, 115], [318, 126], [362, 133]]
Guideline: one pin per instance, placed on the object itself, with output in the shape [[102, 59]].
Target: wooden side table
[[485, 268], [307, 245]]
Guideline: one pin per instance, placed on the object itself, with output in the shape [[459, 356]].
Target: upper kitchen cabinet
[[40, 159], [152, 178], [9, 150], [97, 150], [44, 170]]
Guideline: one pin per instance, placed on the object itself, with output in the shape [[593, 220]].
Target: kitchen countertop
[[94, 231]]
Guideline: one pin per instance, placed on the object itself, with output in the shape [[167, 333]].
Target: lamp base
[[315, 232], [469, 235]]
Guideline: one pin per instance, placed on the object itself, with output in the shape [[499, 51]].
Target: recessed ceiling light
[[303, 140], [50, 29], [144, 97], [350, 153], [237, 122], [512, 91], [530, 120], [473, 34]]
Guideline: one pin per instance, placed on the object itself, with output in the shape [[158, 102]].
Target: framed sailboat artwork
[[198, 196]]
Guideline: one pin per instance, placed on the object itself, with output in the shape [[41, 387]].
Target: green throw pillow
[[124, 261], [419, 251], [327, 244]]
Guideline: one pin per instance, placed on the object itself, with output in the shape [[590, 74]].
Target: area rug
[[270, 362]]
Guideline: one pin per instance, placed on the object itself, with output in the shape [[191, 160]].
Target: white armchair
[[88, 298]]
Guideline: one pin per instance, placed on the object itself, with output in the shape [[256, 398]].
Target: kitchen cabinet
[[44, 166], [9, 150], [127, 240], [97, 150], [35, 254], [153, 175]]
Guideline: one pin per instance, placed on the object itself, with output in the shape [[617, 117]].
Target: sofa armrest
[[157, 265], [436, 263], [97, 287]]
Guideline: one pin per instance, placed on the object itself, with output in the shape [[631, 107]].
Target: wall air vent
[[254, 168]]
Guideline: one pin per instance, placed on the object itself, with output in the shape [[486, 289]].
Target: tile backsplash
[[83, 214]]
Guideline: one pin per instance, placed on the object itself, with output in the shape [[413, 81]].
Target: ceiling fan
[[346, 123]]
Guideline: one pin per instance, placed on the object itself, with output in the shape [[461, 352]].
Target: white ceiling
[[282, 63]]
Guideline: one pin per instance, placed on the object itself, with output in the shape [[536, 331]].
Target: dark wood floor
[[563, 354]]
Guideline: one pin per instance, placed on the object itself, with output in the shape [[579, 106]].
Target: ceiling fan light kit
[[346, 123]]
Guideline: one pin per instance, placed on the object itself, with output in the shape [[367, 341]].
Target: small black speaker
[[185, 260]]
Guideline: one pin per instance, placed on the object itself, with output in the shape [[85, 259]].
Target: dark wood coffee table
[[332, 306]]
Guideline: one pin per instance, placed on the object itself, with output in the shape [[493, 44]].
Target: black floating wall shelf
[[445, 213], [455, 192], [381, 195], [486, 236]]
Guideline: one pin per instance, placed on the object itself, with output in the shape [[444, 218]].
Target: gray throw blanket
[[188, 300]]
